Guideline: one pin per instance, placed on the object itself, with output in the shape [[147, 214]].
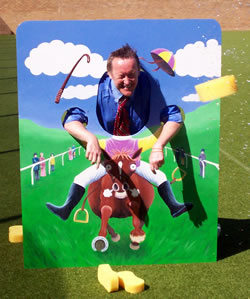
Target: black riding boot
[[176, 208], [75, 194]]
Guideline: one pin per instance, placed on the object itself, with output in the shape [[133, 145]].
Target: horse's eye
[[108, 167], [133, 167], [125, 186], [115, 187]]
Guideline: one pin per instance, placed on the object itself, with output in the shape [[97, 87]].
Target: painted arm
[[87, 139], [74, 121], [169, 130]]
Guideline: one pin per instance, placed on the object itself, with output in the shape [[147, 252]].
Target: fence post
[[203, 168], [32, 175], [49, 165]]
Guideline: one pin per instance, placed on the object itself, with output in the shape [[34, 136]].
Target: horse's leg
[[143, 214], [106, 212], [114, 236], [142, 222], [137, 235], [100, 243]]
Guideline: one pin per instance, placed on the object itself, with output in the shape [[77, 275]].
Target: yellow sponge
[[108, 278], [16, 234], [130, 282], [217, 88]]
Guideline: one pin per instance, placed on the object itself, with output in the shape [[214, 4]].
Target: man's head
[[123, 67]]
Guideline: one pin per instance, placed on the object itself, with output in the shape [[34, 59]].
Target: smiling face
[[124, 73]]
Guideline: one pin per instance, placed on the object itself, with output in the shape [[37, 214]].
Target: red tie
[[121, 125]]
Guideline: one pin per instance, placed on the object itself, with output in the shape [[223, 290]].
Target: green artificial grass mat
[[227, 278]]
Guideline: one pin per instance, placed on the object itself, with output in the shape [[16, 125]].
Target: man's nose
[[126, 80]]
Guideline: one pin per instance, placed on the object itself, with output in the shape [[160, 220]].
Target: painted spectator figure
[[35, 159], [123, 106], [202, 158], [43, 165], [70, 153], [74, 151], [182, 155], [52, 162]]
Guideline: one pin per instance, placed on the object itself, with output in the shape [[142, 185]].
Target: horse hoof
[[100, 243], [116, 238], [137, 239], [134, 246]]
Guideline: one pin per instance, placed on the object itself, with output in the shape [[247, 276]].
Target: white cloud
[[193, 97], [59, 57], [80, 92], [198, 59]]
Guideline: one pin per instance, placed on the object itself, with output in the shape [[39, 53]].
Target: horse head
[[121, 165], [120, 168]]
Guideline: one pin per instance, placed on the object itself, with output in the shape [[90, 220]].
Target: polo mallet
[[59, 94]]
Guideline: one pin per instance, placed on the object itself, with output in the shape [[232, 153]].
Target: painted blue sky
[[43, 61]]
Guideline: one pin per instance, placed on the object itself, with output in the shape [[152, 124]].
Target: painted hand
[[93, 151], [156, 159]]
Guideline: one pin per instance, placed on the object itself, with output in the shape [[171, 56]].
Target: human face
[[125, 74]]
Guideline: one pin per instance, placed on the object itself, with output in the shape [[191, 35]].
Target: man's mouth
[[129, 87]]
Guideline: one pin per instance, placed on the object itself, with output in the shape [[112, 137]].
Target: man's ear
[[110, 75]]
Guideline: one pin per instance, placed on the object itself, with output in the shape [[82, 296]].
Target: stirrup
[[79, 220], [181, 178]]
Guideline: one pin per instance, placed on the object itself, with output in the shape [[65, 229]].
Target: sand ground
[[231, 14]]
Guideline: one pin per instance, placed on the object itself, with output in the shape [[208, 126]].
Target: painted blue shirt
[[143, 109]]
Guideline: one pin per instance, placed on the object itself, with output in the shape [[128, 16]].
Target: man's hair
[[124, 52]]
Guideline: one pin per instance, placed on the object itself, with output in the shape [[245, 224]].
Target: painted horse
[[120, 193]]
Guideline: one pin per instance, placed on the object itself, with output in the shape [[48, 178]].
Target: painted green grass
[[49, 241]]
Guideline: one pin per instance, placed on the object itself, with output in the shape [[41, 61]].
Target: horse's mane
[[122, 155]]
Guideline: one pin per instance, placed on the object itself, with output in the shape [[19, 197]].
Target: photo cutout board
[[75, 215]]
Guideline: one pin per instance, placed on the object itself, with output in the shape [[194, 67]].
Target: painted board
[[46, 52]]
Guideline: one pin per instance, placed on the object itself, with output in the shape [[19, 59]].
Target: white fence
[[32, 166], [194, 157]]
